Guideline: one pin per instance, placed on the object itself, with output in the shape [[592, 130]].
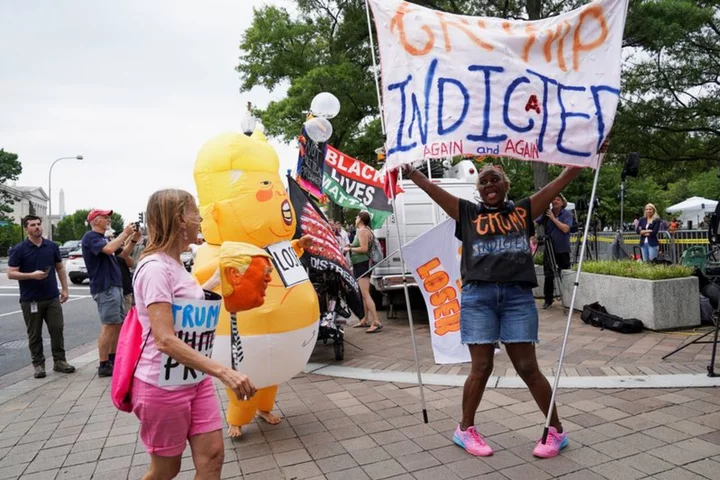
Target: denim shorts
[[110, 306], [491, 312]]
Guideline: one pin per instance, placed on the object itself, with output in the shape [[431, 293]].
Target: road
[[82, 325]]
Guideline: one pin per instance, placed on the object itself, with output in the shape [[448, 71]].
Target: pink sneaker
[[555, 442], [472, 442]]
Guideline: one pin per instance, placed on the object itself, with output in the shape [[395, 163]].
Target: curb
[[21, 387], [445, 380], [10, 389]]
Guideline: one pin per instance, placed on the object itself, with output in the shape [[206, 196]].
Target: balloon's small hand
[[305, 242]]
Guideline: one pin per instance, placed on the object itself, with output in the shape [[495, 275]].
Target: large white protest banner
[[544, 90], [434, 260]]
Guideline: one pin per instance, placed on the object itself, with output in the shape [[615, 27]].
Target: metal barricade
[[672, 245], [666, 249], [682, 240], [600, 245]]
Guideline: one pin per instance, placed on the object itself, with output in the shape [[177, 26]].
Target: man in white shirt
[[194, 247], [343, 239]]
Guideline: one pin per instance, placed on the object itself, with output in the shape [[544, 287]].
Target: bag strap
[[150, 329]]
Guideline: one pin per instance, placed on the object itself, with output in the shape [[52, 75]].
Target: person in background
[[343, 240], [34, 263], [105, 282], [674, 225], [648, 228], [557, 222], [194, 247], [126, 262], [172, 416], [360, 259]]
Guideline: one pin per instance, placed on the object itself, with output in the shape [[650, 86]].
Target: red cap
[[96, 213]]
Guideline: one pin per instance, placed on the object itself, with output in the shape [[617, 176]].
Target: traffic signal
[[141, 217]]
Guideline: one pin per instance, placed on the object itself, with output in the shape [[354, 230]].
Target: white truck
[[417, 214]]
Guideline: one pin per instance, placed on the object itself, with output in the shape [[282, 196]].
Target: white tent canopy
[[693, 209]]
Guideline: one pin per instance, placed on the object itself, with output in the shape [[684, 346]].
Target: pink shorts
[[169, 417]]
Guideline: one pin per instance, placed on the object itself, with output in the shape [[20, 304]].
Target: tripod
[[590, 250], [618, 251], [700, 341], [709, 288], [549, 263]]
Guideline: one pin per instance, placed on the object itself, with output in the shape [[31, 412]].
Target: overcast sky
[[136, 87]]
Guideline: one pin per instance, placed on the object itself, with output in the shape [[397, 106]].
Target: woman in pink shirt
[[173, 395]]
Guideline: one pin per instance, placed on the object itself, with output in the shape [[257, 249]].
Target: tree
[[10, 234], [117, 223], [325, 47], [669, 110], [74, 226], [10, 170], [670, 91]]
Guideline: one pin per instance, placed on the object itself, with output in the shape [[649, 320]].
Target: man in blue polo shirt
[[34, 263], [105, 282], [557, 221]]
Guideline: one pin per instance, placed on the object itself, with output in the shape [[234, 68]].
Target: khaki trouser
[[51, 312]]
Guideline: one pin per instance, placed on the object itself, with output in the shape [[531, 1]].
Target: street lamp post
[[248, 122], [77, 157]]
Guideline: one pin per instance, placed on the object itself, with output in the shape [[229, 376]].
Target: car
[[68, 247], [75, 266]]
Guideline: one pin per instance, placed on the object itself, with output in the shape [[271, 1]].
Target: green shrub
[[538, 258], [10, 234], [630, 269]]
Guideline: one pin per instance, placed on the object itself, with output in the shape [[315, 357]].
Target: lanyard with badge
[[34, 305]]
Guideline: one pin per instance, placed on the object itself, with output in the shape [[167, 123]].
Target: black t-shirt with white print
[[496, 244]]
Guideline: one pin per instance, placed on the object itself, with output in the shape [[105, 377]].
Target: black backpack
[[596, 315]]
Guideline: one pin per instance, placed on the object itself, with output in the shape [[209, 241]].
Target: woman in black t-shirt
[[497, 302]]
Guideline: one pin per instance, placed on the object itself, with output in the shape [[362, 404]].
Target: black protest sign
[[311, 158], [325, 254]]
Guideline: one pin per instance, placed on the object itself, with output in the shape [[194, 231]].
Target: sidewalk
[[347, 429], [64, 427], [590, 352]]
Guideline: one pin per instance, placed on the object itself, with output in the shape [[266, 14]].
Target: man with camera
[[34, 263], [106, 284], [557, 222]]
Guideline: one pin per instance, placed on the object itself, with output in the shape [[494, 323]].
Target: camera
[[582, 205]]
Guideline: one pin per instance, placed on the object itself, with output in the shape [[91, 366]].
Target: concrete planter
[[538, 291], [659, 304]]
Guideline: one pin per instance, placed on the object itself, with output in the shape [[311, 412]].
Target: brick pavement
[[346, 429], [590, 352]]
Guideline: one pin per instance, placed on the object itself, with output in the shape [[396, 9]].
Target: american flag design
[[324, 242]]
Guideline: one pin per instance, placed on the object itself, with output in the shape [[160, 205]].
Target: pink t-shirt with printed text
[[159, 280]]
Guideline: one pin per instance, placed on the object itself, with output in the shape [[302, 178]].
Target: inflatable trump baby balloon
[[242, 199]]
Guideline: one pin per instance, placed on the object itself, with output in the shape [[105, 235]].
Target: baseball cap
[[96, 213]]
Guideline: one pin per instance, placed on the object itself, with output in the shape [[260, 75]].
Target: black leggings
[[562, 262]]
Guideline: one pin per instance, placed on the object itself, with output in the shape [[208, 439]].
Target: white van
[[417, 214]]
